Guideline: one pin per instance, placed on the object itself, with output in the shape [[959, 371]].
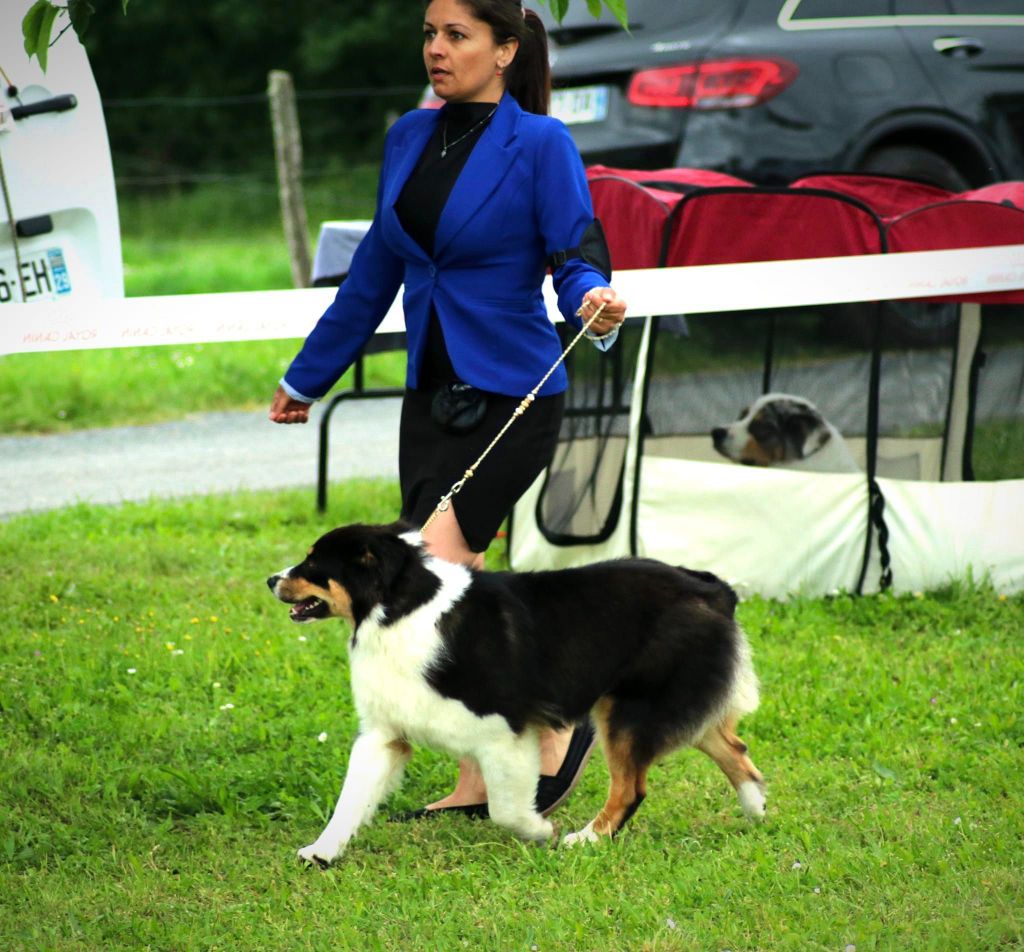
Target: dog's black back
[[544, 647]]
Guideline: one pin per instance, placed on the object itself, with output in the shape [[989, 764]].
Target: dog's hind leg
[[510, 770], [628, 780], [374, 769], [724, 747]]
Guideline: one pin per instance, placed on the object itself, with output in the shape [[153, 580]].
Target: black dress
[[430, 460]]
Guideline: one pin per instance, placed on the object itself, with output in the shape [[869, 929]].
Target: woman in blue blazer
[[474, 200]]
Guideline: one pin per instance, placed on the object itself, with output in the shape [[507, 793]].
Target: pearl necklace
[[446, 145]]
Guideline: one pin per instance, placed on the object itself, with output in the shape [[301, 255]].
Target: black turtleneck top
[[423, 198]]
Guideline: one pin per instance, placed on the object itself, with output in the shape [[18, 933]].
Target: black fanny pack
[[458, 408]]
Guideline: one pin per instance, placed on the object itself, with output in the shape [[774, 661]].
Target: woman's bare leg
[[444, 539]]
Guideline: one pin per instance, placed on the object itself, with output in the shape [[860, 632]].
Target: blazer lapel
[[406, 155], [483, 173]]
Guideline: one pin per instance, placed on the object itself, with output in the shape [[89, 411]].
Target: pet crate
[[928, 394]]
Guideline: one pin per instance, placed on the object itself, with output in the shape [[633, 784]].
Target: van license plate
[[583, 104], [44, 274]]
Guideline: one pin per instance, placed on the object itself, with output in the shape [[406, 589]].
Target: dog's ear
[[388, 554], [804, 431]]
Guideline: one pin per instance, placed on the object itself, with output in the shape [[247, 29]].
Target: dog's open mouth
[[309, 609]]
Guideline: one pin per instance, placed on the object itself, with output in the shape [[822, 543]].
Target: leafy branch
[[37, 25], [617, 7]]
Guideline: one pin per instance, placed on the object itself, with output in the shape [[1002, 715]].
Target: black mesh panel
[[581, 498]]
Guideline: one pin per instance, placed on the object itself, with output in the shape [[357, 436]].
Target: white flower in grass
[[178, 651], [957, 821], [216, 684], [850, 948], [797, 865], [227, 707], [131, 670], [302, 637], [322, 737], [670, 922]]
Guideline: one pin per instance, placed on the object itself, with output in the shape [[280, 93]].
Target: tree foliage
[[37, 25], [183, 83]]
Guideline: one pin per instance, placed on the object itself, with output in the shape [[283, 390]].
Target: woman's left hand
[[611, 317]]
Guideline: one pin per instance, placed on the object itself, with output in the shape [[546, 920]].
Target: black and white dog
[[779, 429], [476, 663]]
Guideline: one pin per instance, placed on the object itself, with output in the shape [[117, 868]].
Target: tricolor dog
[[477, 663], [779, 429]]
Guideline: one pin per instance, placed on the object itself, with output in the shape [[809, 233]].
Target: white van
[[58, 177]]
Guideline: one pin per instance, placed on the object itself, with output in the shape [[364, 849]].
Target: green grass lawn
[[170, 739]]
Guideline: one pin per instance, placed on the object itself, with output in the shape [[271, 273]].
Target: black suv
[[770, 90]]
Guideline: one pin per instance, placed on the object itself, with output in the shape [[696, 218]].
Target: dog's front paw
[[752, 800], [540, 831], [319, 854], [586, 835]]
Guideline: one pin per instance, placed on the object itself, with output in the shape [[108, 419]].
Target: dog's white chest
[[394, 696], [390, 666]]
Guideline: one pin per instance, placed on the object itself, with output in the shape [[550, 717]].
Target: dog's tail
[[718, 594], [745, 695]]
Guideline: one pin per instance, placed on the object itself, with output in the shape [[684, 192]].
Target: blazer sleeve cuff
[[294, 394], [605, 341]]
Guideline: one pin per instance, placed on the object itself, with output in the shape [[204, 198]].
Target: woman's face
[[460, 54]]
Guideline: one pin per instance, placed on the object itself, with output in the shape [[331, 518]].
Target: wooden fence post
[[288, 153]]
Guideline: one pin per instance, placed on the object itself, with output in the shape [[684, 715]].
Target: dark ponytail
[[528, 76]]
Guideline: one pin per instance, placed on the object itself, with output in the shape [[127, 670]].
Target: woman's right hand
[[285, 409]]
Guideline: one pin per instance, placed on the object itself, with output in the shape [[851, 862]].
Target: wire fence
[[259, 98], [161, 142]]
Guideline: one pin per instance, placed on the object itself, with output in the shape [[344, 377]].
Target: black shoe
[[552, 792], [475, 811]]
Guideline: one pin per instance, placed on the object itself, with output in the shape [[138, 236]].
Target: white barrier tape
[[93, 323], [740, 287], [270, 315]]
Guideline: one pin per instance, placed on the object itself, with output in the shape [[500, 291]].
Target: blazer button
[[433, 271]]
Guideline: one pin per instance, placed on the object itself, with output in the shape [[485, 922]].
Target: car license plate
[[44, 273], [583, 104]]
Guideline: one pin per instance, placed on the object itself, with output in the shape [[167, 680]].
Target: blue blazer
[[521, 196]]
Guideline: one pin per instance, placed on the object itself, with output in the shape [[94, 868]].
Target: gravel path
[[208, 453], [221, 452]]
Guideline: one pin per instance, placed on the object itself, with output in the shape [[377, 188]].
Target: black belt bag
[[458, 408]]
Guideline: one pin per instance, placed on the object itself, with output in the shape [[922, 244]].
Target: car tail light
[[713, 84]]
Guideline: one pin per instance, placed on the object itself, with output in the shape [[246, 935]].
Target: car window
[[828, 9], [924, 7], [962, 8], [988, 7]]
